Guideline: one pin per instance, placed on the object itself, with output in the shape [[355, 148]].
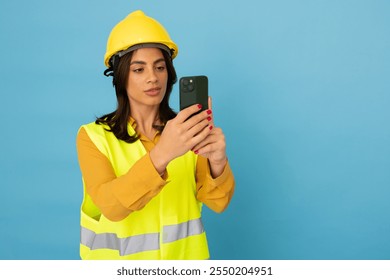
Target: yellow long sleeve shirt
[[117, 197]]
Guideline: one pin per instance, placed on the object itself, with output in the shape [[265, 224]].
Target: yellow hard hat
[[136, 29]]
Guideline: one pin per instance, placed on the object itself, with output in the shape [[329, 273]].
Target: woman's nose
[[152, 76]]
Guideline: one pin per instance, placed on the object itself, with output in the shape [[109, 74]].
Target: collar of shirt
[[148, 143]]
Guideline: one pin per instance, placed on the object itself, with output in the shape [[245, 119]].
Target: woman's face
[[148, 76]]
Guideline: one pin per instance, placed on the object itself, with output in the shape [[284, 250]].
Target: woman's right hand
[[180, 135]]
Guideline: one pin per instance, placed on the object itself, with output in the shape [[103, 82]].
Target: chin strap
[[109, 72], [114, 62]]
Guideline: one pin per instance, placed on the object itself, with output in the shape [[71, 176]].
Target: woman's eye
[[138, 70], [160, 68]]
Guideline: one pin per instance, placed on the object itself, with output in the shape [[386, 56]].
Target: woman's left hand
[[213, 147]]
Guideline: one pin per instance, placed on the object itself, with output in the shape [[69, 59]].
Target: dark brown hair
[[118, 119]]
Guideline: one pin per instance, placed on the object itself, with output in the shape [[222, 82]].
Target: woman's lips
[[153, 91]]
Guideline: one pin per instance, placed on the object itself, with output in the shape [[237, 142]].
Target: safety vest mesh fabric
[[168, 227]]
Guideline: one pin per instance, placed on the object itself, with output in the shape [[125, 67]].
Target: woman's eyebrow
[[159, 60], [144, 63], [138, 62]]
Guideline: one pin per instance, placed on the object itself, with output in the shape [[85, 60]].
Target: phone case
[[193, 90]]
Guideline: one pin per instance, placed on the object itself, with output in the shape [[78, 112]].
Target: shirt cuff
[[220, 180], [140, 184]]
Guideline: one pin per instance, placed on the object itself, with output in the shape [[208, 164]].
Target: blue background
[[300, 88]]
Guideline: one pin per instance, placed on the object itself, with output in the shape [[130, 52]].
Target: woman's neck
[[145, 120]]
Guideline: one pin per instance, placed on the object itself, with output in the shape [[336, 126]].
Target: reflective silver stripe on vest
[[125, 246], [140, 243], [183, 230]]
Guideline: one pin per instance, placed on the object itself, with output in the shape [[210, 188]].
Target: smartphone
[[193, 90]]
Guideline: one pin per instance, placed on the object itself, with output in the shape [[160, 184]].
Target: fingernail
[[196, 152], [209, 118], [209, 112], [211, 127], [200, 106]]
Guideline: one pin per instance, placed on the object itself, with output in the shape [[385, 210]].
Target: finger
[[198, 118], [200, 136], [207, 141], [210, 103], [205, 150], [199, 126], [215, 137], [211, 147], [184, 114]]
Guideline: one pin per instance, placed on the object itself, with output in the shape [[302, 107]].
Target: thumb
[[210, 101]]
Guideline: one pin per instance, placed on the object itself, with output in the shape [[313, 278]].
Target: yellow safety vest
[[169, 227]]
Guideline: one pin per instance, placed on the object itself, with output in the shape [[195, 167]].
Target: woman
[[147, 170]]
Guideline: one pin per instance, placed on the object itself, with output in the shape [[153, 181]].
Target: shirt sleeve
[[216, 193], [116, 197]]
